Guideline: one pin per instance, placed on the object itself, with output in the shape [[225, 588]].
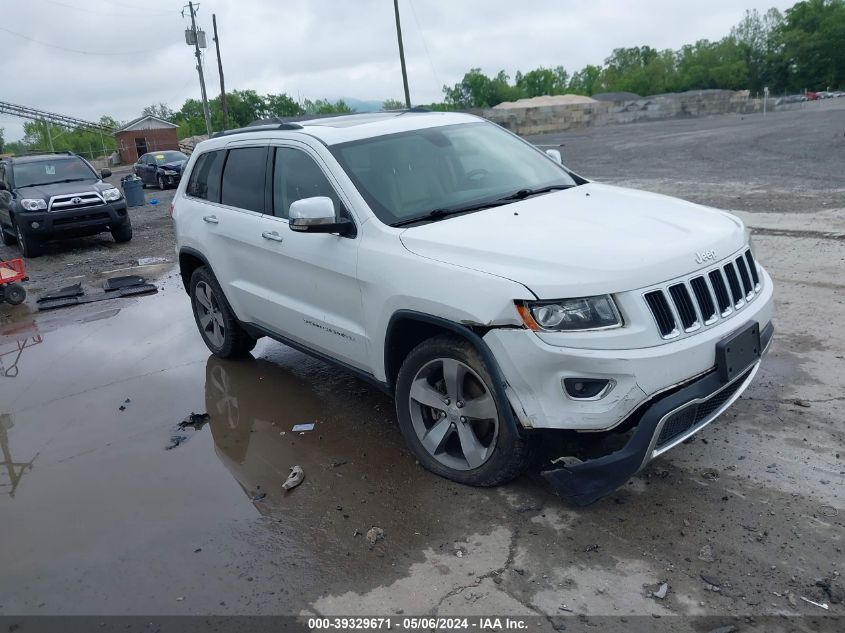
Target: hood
[[588, 240], [45, 192]]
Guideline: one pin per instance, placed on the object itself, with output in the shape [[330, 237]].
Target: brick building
[[146, 134]]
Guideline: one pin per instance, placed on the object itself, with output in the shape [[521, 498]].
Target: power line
[[119, 15], [425, 46], [71, 50]]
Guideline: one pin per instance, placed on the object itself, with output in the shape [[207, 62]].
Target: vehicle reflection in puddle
[[357, 470], [10, 355]]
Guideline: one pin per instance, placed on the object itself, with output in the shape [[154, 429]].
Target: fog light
[[587, 388], [35, 225]]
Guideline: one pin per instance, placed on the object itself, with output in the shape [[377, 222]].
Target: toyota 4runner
[[54, 196], [501, 298]]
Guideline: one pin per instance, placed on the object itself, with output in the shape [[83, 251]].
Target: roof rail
[[258, 128]]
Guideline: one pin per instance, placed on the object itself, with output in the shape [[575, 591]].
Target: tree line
[[800, 49]]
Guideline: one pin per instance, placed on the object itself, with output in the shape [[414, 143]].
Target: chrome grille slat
[[686, 305], [83, 200]]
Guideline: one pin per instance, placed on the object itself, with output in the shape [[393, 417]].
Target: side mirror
[[105, 173], [554, 154], [316, 215]]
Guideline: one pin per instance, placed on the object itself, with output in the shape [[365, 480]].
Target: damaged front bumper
[[664, 422]]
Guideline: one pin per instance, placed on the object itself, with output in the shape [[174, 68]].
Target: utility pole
[[49, 135], [196, 42], [402, 54], [220, 69]]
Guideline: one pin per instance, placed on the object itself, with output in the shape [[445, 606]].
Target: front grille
[[686, 305], [74, 201], [694, 414]]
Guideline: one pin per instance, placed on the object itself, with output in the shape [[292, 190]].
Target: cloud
[[136, 53]]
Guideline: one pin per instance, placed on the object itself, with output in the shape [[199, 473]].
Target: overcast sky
[[134, 52]]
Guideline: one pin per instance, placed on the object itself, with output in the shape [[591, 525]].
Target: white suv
[[498, 296]]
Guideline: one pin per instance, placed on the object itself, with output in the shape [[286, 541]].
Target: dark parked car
[[163, 169], [53, 196]]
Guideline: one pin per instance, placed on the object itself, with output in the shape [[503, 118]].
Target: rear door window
[[243, 178], [204, 182]]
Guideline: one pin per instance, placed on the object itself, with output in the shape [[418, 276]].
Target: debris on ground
[[706, 554], [195, 421], [592, 548], [728, 628], [710, 474], [798, 402], [301, 428], [294, 478], [828, 511], [711, 580], [146, 261], [821, 605], [116, 283], [661, 592], [175, 440], [338, 464], [374, 535], [123, 406], [835, 594]]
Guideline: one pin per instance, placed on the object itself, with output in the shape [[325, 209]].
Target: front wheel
[[29, 246], [122, 233], [452, 418], [161, 184], [217, 324], [7, 236]]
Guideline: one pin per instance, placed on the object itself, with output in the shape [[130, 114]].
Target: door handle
[[211, 219], [271, 235]]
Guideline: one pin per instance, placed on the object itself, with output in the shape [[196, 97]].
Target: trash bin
[[133, 190]]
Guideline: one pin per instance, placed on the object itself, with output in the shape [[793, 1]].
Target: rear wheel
[[452, 418], [217, 324], [15, 294], [122, 233], [161, 184], [29, 246]]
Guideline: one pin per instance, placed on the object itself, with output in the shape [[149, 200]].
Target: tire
[[123, 233], [161, 183], [216, 322], [15, 294], [29, 247], [7, 237], [478, 451]]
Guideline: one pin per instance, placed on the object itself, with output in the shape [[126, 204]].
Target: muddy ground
[[101, 514]]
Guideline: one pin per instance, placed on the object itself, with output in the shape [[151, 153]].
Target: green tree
[[392, 104], [585, 81], [2, 139], [542, 81], [812, 37], [160, 110], [324, 106], [477, 90]]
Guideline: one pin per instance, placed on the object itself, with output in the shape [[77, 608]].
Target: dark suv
[[53, 196]]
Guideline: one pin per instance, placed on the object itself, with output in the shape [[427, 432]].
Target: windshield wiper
[[524, 193], [56, 182], [438, 214]]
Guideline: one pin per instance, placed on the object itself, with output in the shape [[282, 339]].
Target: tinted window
[[297, 176], [204, 182], [243, 178]]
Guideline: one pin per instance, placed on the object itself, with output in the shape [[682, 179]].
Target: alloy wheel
[[453, 413], [209, 314]]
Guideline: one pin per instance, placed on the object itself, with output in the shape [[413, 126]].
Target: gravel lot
[[741, 524]]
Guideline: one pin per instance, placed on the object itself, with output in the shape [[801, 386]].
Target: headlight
[[567, 315], [33, 204], [170, 172], [110, 195]]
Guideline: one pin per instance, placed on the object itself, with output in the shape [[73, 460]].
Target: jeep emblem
[[705, 256]]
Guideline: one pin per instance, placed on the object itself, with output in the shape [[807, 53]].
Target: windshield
[[45, 172], [169, 157], [412, 174]]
